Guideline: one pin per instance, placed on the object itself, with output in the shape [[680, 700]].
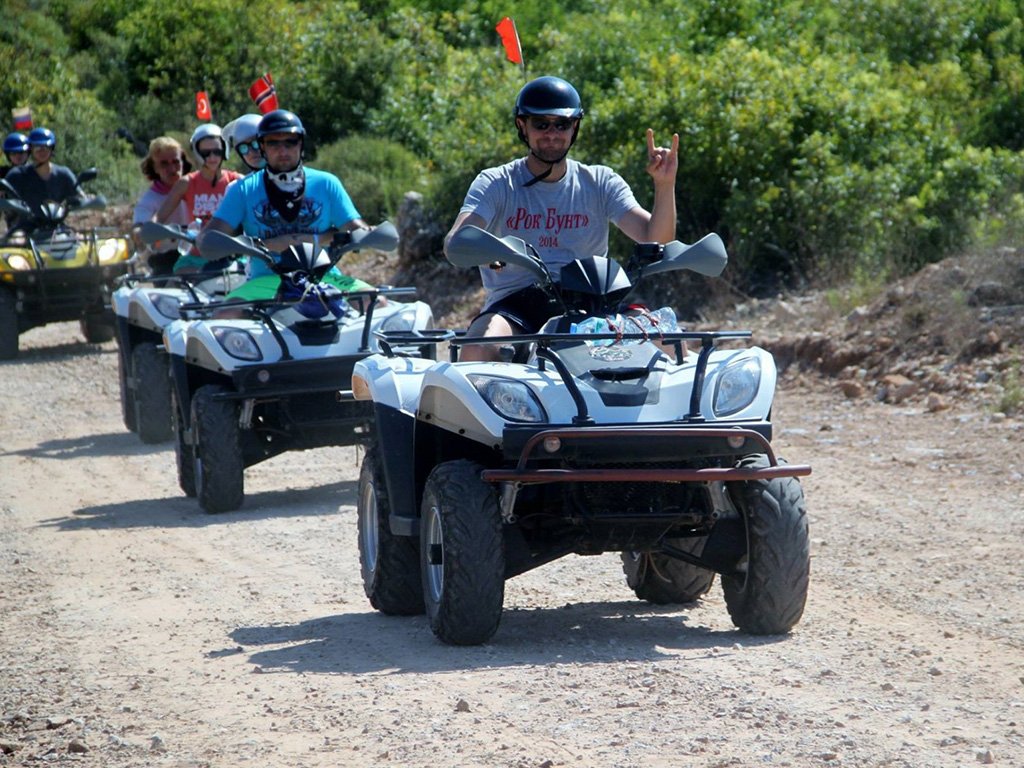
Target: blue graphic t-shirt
[[324, 206]]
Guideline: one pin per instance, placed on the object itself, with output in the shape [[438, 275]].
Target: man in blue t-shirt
[[285, 204]]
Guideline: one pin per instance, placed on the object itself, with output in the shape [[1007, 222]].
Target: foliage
[[376, 173], [825, 141]]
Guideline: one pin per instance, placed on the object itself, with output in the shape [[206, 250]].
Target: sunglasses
[[205, 153], [246, 147], [274, 143], [542, 124]]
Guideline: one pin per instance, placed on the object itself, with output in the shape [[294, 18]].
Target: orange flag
[[510, 39], [203, 111]]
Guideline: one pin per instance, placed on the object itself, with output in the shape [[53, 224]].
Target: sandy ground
[[137, 631]]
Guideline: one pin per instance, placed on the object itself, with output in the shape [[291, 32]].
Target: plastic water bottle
[[184, 246], [594, 325], [659, 321]]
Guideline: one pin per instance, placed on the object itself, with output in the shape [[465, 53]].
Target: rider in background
[[201, 190], [559, 206], [241, 135], [163, 165], [41, 180], [16, 152], [285, 204]]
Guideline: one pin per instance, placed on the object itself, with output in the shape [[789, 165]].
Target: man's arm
[[213, 225], [461, 221], [658, 226]]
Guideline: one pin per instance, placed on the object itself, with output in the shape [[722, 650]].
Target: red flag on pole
[[510, 39], [203, 111], [22, 118], [264, 94]]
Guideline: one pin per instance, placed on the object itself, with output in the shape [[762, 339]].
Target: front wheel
[[184, 456], [8, 325], [389, 564], [218, 451], [664, 580], [462, 554], [97, 326], [767, 594], [152, 394]]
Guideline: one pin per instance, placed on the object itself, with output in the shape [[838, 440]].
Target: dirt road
[[137, 631]]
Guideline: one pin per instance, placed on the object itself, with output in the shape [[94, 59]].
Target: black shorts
[[529, 308]]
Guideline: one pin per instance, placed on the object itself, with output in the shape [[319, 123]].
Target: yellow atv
[[51, 272]]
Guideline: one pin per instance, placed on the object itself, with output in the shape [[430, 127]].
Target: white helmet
[[206, 131], [241, 134], [241, 130]]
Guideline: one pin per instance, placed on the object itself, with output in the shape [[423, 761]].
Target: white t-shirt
[[564, 220]]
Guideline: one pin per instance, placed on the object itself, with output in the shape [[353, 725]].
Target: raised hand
[[662, 162]]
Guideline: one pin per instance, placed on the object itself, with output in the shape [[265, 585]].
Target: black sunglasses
[[205, 153], [282, 142], [561, 125]]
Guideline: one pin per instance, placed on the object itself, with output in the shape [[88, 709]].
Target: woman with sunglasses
[[559, 206], [241, 135], [201, 190], [163, 165]]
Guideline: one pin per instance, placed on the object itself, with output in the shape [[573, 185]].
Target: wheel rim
[[434, 538], [368, 518]]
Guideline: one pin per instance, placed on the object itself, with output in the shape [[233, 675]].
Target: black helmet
[[280, 121], [549, 96]]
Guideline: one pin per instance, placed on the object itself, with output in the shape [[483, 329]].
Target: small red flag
[[203, 111], [264, 94], [22, 118], [510, 39]]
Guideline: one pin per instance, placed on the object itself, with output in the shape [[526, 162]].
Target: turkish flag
[[510, 39], [22, 118], [264, 94], [203, 111]]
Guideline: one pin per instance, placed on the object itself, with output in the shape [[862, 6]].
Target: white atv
[[143, 307], [599, 442], [254, 378]]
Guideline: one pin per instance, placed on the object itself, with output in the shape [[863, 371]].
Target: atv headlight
[[238, 343], [404, 320], [736, 386], [509, 398], [109, 250], [165, 305], [17, 261]]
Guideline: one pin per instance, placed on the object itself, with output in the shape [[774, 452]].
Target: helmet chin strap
[[551, 166]]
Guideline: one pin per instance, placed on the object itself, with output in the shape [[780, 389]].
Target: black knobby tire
[[184, 456], [127, 394], [462, 554], [152, 394], [219, 471], [97, 326], [390, 564], [8, 325], [663, 580], [769, 597]]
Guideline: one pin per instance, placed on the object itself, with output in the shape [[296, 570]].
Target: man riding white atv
[[254, 378], [599, 442]]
